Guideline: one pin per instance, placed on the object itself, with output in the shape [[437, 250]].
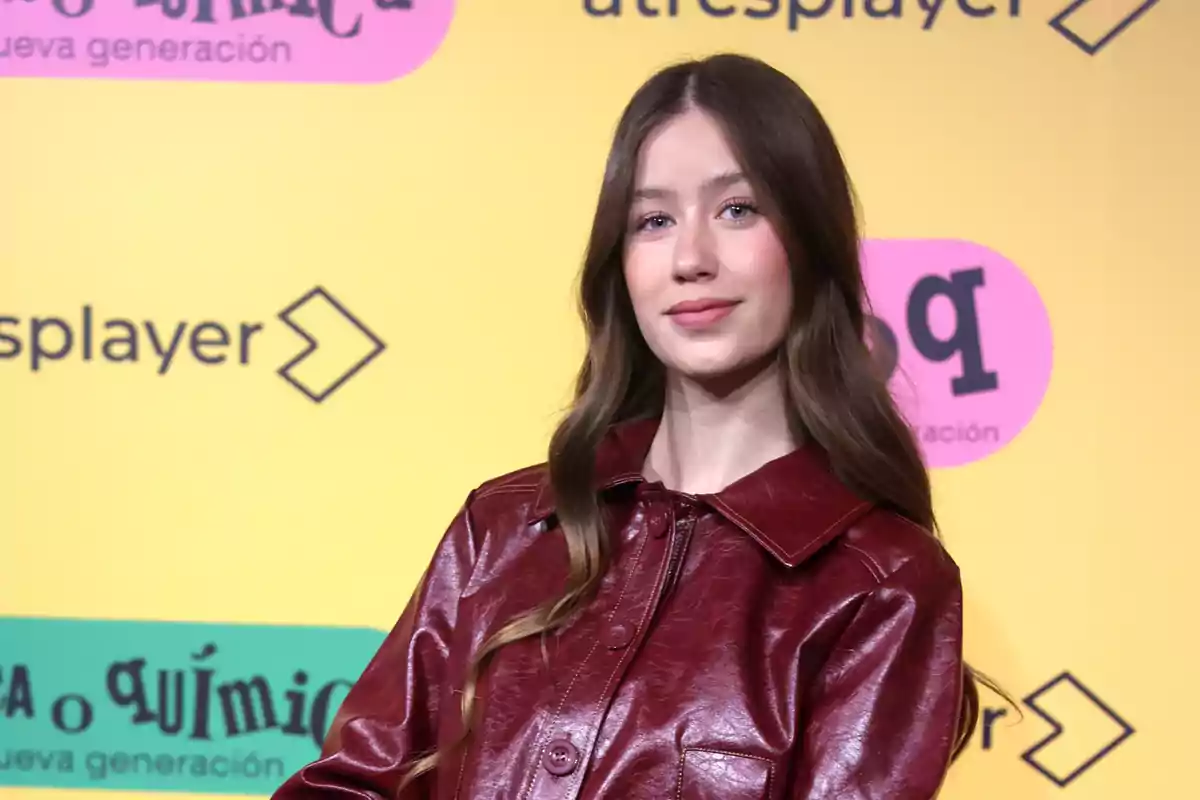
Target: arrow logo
[[337, 355], [1062, 757], [1091, 24]]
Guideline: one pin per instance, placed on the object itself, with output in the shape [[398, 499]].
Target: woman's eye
[[738, 211], [653, 222]]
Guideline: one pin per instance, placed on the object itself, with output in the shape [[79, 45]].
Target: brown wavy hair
[[837, 394]]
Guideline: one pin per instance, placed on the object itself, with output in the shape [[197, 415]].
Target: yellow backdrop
[[446, 211]]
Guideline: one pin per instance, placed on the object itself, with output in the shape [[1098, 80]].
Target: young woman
[[725, 581]]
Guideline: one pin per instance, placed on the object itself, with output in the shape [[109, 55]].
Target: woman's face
[[707, 274]]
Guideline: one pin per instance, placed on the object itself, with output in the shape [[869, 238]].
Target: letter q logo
[[965, 340]]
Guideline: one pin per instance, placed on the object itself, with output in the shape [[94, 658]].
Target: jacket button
[[561, 757], [618, 636]]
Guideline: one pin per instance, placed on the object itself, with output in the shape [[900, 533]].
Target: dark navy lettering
[[800, 12], [964, 341], [48, 339]]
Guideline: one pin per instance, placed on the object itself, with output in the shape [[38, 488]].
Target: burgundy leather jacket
[[779, 639]]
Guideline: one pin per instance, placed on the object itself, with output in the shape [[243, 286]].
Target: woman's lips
[[692, 314]]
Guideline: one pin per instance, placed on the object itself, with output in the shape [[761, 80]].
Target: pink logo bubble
[[296, 41], [966, 339]]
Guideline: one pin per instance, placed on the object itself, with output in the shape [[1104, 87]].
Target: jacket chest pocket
[[723, 775]]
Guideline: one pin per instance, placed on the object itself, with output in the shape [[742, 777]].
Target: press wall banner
[[282, 280]]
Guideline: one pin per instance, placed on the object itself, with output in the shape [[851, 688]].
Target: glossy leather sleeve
[[882, 720], [390, 715]]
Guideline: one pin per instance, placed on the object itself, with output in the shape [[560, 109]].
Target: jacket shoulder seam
[[868, 561], [516, 480], [904, 564], [505, 488]]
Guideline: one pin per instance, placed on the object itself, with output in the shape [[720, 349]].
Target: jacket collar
[[792, 506]]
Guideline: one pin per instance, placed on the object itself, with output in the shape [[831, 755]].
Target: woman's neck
[[710, 437]]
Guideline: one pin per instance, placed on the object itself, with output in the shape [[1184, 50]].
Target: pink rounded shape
[[974, 343], [294, 41]]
